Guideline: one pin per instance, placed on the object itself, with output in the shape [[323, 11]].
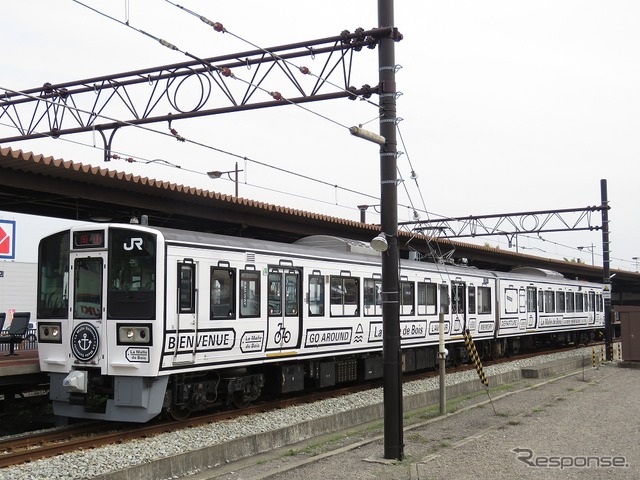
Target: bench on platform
[[17, 331]]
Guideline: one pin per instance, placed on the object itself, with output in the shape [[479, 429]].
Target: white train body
[[134, 319]]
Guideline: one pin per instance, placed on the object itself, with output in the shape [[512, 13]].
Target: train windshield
[[53, 276], [132, 275]]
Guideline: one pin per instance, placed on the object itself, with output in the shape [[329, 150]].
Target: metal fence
[[30, 342]]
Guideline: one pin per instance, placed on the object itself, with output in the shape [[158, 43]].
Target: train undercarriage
[[180, 395], [238, 388]]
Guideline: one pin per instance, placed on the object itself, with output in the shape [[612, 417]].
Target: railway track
[[29, 448]]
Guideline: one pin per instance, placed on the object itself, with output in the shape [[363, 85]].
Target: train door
[[284, 308], [186, 324], [532, 304], [591, 308], [458, 306], [88, 310]]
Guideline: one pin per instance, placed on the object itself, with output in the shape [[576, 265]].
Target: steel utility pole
[[393, 425], [606, 270]]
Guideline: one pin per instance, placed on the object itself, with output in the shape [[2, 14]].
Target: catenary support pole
[[606, 269], [393, 425]]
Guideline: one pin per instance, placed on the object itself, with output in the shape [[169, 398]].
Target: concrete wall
[[18, 285]]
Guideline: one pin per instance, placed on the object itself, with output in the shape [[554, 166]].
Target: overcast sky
[[507, 106]]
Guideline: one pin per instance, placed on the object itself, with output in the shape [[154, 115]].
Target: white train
[[135, 320]]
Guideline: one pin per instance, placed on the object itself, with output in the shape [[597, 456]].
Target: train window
[[249, 293], [222, 293], [187, 286], [472, 299], [510, 300], [131, 282], [372, 296], [599, 303], [291, 294], [484, 300], [53, 280], [540, 301], [444, 299], [345, 296], [275, 297], [571, 302], [579, 302], [316, 295], [592, 298], [522, 302], [457, 298], [549, 302], [87, 297], [406, 298], [531, 299], [427, 299], [560, 305]]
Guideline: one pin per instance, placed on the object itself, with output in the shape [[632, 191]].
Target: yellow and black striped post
[[620, 351], [601, 355], [611, 350], [593, 356], [475, 358]]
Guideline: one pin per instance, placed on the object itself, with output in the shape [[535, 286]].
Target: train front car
[[100, 322]]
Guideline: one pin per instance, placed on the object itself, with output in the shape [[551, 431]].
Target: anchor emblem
[[84, 342]]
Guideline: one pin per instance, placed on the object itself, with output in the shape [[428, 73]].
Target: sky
[[506, 106]]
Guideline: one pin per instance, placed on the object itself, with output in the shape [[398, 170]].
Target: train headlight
[[49, 333], [134, 334]]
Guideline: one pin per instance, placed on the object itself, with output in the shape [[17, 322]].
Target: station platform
[[576, 423], [21, 368]]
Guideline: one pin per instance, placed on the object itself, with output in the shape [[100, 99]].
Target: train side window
[[560, 305], [484, 300], [531, 299], [406, 298], [275, 295], [510, 300], [345, 296], [316, 295], [522, 302], [291, 294], [579, 302], [472, 300], [222, 293], [444, 298], [570, 302], [372, 296], [540, 301], [427, 298], [186, 281], [249, 293], [457, 298], [549, 302]]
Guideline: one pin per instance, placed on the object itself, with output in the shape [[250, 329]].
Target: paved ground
[[581, 425]]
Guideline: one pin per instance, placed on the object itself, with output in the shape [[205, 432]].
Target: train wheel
[[240, 399], [180, 413]]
